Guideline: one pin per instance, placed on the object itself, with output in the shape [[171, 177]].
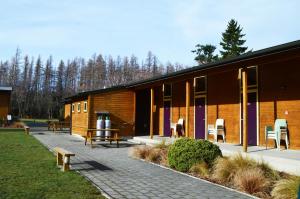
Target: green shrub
[[185, 153]]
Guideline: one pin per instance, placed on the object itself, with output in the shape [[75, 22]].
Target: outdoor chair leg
[[286, 141]]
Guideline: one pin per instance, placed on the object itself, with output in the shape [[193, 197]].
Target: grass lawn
[[28, 170]]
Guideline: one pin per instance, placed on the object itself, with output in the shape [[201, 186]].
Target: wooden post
[[89, 109], [245, 110], [151, 113], [134, 113], [187, 107]]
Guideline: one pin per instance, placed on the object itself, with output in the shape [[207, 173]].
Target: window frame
[[85, 106], [164, 94], [73, 107], [205, 85], [78, 107]]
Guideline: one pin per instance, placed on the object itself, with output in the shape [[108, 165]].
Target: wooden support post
[[187, 107], [89, 108], [151, 113], [245, 110]]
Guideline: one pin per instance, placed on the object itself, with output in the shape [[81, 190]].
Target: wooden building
[[267, 79], [5, 93]]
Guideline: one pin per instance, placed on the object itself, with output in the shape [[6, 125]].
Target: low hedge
[[186, 152]]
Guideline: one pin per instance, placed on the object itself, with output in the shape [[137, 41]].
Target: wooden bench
[[26, 129], [90, 136], [63, 158]]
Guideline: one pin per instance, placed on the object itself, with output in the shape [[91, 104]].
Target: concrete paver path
[[120, 176]]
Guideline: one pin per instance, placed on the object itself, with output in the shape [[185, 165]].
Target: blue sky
[[169, 28]]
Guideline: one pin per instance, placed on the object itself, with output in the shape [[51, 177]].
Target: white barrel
[[100, 125], [107, 126]]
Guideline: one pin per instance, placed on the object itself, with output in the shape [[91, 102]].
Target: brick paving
[[120, 176]]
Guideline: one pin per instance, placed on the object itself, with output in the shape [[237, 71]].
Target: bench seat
[[63, 158]]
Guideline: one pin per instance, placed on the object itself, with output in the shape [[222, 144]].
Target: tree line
[[39, 87]]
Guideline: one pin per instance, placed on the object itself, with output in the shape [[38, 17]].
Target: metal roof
[[294, 45]]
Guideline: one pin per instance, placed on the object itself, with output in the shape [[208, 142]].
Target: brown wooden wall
[[67, 114], [223, 102], [280, 97], [120, 105], [160, 109], [79, 119], [4, 104]]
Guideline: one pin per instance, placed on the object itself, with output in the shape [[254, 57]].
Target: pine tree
[[205, 53], [232, 42]]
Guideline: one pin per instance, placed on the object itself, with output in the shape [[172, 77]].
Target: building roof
[[294, 45], [5, 88]]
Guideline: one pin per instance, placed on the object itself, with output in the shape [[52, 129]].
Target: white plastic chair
[[175, 125], [216, 130], [280, 132]]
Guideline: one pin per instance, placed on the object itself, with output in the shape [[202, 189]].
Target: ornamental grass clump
[[154, 155], [185, 153], [286, 188], [200, 169], [140, 152], [252, 181], [223, 170]]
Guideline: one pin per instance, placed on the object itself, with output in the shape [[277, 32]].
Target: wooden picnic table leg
[[117, 138], [91, 140]]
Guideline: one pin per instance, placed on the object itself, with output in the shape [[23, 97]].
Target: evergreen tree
[[232, 42], [205, 53]]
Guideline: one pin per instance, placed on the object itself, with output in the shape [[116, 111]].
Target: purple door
[[252, 120], [167, 115], [200, 118]]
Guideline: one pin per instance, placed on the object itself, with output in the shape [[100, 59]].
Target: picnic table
[[91, 136]]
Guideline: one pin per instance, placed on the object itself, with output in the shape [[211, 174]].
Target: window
[[85, 106], [200, 84], [167, 90], [252, 77], [78, 107], [73, 107]]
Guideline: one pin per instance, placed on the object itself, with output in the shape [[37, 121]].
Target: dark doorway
[[142, 116], [200, 118], [167, 118], [252, 119]]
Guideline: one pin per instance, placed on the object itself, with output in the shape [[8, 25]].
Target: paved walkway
[[120, 176]]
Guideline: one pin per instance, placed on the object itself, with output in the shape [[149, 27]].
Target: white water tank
[[107, 126], [100, 125]]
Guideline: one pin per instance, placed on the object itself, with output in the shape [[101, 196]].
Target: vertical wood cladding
[[67, 115], [223, 102], [120, 105], [157, 103], [79, 119], [280, 97], [160, 110], [4, 104]]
